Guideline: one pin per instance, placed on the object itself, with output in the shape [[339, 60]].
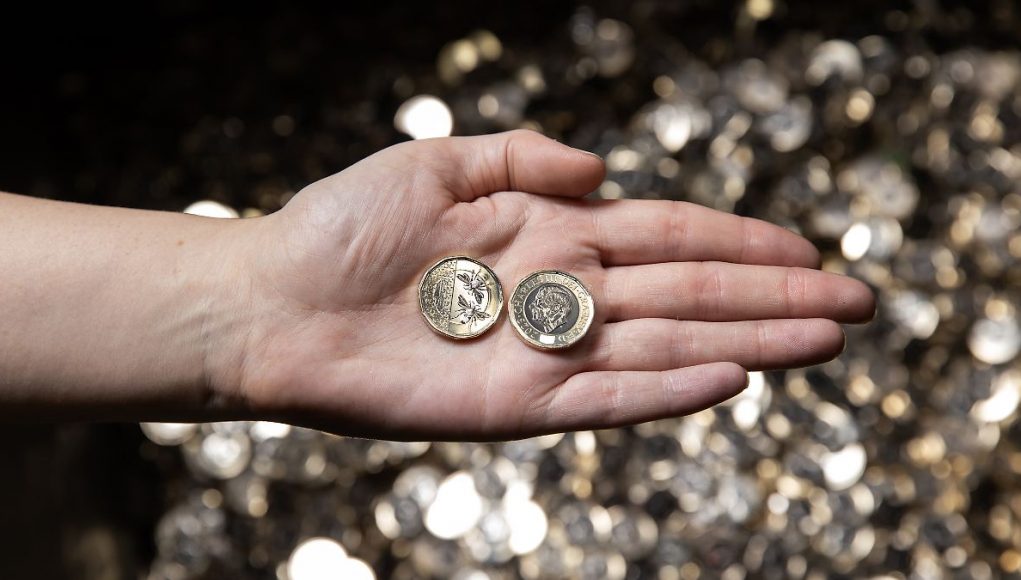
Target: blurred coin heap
[[896, 150]]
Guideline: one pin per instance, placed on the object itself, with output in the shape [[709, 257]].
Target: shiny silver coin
[[460, 297], [551, 309]]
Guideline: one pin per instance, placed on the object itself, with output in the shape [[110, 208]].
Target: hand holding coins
[[616, 312]]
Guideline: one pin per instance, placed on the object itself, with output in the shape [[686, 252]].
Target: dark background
[[96, 101]]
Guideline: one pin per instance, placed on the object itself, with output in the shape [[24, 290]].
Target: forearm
[[110, 312]]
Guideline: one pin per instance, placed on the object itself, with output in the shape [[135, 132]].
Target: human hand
[[686, 298]]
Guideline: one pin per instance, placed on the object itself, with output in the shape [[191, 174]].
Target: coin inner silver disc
[[551, 308]]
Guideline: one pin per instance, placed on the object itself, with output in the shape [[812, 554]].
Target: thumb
[[518, 160]]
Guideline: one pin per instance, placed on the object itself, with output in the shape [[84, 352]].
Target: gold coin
[[551, 309], [460, 297]]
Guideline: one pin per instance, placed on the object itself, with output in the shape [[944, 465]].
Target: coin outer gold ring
[[440, 322], [533, 336]]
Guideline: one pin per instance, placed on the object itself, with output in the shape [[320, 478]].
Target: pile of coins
[[889, 136]]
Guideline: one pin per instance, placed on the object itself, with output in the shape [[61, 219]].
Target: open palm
[[686, 298]]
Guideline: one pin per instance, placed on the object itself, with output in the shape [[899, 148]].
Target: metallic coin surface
[[551, 309], [460, 297]]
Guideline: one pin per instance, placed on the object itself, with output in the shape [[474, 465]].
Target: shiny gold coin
[[460, 297], [551, 309]]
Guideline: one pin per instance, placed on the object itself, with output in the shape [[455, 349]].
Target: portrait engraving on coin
[[460, 297], [551, 309]]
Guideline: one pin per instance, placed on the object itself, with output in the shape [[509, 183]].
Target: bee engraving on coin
[[469, 313], [551, 309], [474, 284], [460, 297]]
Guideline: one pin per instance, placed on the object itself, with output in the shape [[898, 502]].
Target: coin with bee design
[[551, 309], [460, 297]]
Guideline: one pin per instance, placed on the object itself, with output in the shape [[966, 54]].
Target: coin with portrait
[[460, 297], [551, 309]]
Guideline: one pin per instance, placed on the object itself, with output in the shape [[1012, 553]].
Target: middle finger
[[720, 291]]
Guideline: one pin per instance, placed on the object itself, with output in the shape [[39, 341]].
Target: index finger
[[631, 232]]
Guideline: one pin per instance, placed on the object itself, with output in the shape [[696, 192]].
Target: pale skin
[[310, 315]]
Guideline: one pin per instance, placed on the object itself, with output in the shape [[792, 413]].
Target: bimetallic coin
[[460, 297], [551, 309]]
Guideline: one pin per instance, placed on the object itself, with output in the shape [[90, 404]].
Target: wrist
[[221, 281]]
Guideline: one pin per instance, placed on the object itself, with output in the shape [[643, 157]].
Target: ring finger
[[719, 291]]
